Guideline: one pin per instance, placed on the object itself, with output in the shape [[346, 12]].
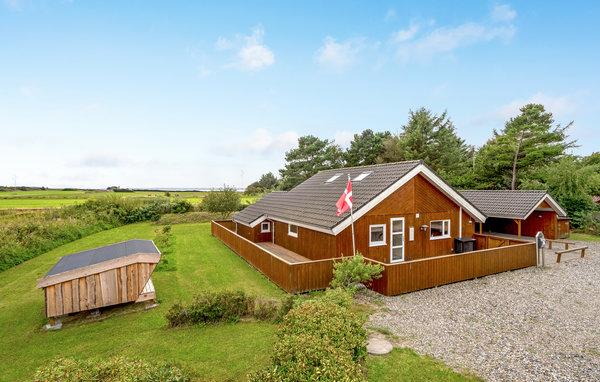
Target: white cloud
[[405, 34], [343, 138], [261, 141], [556, 105], [503, 13], [13, 4], [29, 91], [338, 56], [223, 44], [252, 54], [102, 159], [390, 15], [442, 40]]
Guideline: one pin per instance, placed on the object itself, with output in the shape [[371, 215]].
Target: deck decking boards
[[285, 254]]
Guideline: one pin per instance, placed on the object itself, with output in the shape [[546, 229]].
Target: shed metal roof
[[102, 254], [312, 203], [510, 204]]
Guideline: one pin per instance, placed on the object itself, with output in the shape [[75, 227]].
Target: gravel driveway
[[527, 325]]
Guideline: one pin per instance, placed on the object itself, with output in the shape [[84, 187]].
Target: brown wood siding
[[564, 228], [253, 234], [418, 195], [311, 244], [430, 272]]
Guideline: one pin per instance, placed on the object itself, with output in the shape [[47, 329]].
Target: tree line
[[529, 152]]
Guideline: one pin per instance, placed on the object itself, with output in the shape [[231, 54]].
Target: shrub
[[209, 306], [228, 306], [351, 271], [116, 369], [223, 202], [181, 206], [318, 341]]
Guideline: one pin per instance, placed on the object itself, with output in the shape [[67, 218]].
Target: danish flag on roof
[[345, 201]]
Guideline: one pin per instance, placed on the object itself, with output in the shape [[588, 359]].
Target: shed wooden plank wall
[[115, 286]]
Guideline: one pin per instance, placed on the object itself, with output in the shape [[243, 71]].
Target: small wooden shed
[[100, 277]]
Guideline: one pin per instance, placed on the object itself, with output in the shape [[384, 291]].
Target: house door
[[397, 239]]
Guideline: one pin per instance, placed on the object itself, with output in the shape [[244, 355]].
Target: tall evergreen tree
[[365, 148], [311, 156], [527, 142], [432, 138]]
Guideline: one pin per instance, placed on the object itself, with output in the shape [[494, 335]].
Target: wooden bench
[[566, 243], [559, 253]]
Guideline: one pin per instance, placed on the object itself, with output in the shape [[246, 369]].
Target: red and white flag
[[345, 201]]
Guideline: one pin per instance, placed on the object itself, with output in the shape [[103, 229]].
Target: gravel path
[[526, 325]]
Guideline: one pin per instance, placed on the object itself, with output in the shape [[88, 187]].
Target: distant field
[[6, 204], [58, 198]]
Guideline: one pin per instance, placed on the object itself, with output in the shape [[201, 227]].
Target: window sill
[[377, 244]]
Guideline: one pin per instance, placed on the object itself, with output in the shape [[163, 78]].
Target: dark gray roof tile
[[102, 254], [313, 201], [514, 204]]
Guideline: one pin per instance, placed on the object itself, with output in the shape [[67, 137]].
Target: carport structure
[[520, 212]]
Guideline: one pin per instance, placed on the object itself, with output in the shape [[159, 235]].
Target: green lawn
[[583, 237], [214, 352], [222, 352], [406, 365], [6, 204]]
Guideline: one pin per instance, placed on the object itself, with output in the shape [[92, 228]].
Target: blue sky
[[198, 94]]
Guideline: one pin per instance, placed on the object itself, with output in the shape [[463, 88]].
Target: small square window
[[293, 230], [376, 235], [439, 229], [265, 227]]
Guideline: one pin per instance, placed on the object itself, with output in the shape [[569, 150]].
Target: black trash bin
[[464, 244]]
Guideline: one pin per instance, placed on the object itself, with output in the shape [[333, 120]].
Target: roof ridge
[[503, 190], [419, 161]]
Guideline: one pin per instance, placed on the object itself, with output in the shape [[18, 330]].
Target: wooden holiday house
[[406, 218]]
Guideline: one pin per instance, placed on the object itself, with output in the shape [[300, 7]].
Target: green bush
[[113, 370], [228, 306], [223, 202], [354, 270], [209, 306], [319, 340]]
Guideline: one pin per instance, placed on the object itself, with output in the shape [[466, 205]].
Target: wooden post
[[480, 228], [518, 221]]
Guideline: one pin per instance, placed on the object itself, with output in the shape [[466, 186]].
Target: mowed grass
[[583, 237], [6, 204], [222, 352], [403, 364]]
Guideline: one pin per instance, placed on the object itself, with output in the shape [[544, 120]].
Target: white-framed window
[[265, 227], [293, 230], [396, 239], [439, 229], [376, 235]]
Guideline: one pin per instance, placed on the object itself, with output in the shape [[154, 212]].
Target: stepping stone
[[379, 346]]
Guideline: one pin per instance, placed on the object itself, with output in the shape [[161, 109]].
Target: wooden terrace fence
[[489, 241], [434, 271], [396, 278], [291, 277]]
